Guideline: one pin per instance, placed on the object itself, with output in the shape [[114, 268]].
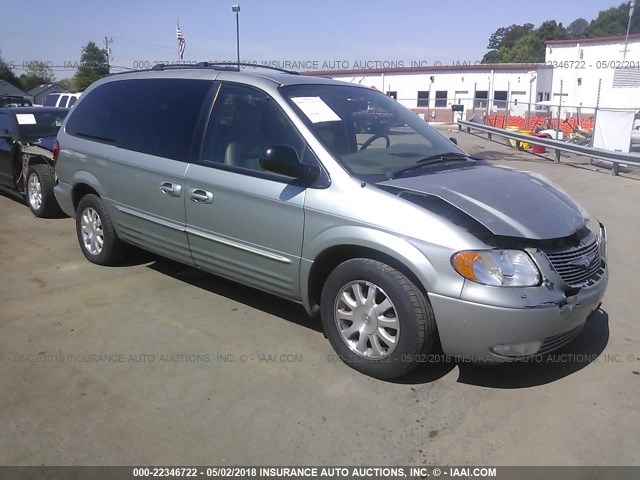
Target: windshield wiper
[[438, 157]]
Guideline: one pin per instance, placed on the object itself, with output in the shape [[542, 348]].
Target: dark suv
[[27, 146]]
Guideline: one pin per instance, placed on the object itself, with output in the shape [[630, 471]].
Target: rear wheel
[[96, 234], [376, 319], [39, 191]]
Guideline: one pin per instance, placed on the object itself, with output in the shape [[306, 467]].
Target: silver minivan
[[334, 196]]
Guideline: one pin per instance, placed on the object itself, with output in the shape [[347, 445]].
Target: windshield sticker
[[316, 110], [26, 118]]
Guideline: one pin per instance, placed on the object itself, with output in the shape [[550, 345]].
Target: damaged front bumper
[[493, 324]]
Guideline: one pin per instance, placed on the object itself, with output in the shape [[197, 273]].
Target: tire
[[96, 234], [39, 191], [357, 289]]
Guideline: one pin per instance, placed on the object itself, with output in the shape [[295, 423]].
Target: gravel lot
[[166, 365]]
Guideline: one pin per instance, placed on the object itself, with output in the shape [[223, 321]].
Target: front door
[[244, 223]]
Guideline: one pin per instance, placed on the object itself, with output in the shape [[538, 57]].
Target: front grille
[[553, 343], [580, 266]]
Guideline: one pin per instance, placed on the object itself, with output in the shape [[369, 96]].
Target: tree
[[524, 43], [38, 73], [514, 33], [67, 84], [613, 21], [577, 28], [7, 74], [491, 57], [495, 40], [93, 66], [505, 38]]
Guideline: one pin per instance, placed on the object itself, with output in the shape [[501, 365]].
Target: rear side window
[[154, 116], [51, 99], [63, 101]]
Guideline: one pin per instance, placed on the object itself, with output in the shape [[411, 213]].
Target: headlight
[[602, 241], [600, 232], [507, 268]]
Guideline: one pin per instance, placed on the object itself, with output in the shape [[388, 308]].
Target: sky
[[318, 33]]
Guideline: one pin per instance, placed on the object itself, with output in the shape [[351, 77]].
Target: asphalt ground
[[152, 362]]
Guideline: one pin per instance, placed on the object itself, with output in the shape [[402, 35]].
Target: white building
[[573, 74], [432, 91], [584, 68]]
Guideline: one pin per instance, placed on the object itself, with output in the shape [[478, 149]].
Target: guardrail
[[616, 158]]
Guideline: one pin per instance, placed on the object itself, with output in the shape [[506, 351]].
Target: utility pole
[[626, 38], [236, 10], [107, 49]]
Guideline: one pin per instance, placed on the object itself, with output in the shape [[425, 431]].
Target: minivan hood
[[506, 202]]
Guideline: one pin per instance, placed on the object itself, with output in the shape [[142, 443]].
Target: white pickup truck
[[64, 100]]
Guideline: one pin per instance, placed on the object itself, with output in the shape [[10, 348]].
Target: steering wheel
[[374, 138]]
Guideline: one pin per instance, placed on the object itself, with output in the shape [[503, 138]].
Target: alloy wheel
[[92, 233], [367, 320], [34, 189]]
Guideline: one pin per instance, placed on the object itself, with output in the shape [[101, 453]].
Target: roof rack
[[226, 66]]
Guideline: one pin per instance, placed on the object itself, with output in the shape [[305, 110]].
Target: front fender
[[420, 258]]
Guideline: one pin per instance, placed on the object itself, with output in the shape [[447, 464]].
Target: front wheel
[[376, 319]]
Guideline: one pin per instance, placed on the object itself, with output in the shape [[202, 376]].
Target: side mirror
[[284, 160], [453, 140]]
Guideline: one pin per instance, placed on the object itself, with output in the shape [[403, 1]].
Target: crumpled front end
[[494, 324]]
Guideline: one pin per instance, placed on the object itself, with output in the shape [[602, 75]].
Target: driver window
[[244, 123]]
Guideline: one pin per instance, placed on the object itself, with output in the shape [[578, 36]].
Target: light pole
[[626, 38], [236, 9]]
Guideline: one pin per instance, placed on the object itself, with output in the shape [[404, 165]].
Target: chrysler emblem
[[585, 261]]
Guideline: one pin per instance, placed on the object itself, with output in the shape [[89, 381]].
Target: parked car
[[27, 138], [11, 101], [392, 233], [64, 100], [635, 133]]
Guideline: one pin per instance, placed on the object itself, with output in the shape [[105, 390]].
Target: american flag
[[182, 43]]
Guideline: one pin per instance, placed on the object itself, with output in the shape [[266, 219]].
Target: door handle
[[201, 196], [171, 189]]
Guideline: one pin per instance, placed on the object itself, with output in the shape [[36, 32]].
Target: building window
[[480, 101], [500, 98], [547, 96], [393, 95], [423, 98], [441, 98], [540, 96]]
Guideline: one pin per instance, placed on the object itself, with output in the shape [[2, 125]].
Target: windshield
[[370, 134], [39, 124]]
